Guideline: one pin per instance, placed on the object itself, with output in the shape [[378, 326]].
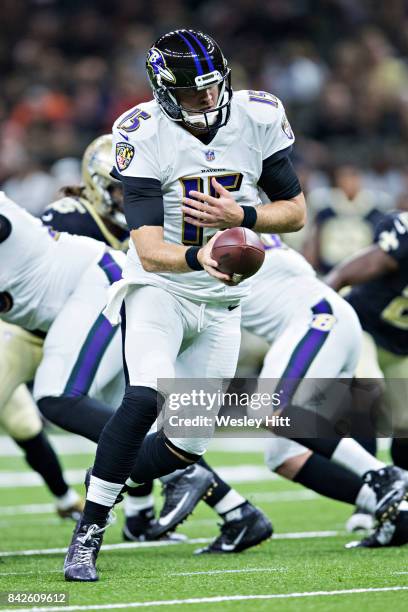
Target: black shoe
[[388, 533], [79, 564], [136, 528], [181, 496], [390, 485], [244, 527]]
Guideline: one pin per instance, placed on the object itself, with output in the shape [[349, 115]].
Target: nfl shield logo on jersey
[[210, 155], [124, 155]]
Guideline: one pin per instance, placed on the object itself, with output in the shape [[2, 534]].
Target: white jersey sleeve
[[267, 113], [135, 145]]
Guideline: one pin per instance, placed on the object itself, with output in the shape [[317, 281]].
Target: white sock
[[67, 500], [230, 501], [350, 454], [103, 492], [366, 499], [133, 505]]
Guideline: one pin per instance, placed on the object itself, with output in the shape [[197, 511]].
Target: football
[[239, 252]]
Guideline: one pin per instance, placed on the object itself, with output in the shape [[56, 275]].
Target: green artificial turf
[[284, 565]]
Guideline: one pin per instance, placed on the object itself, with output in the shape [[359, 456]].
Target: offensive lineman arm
[[366, 265]]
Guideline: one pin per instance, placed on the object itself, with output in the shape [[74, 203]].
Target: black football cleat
[[181, 496], [243, 528], [80, 561], [136, 528], [388, 533], [390, 485]]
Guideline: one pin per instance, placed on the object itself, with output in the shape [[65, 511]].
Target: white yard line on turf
[[37, 573], [29, 509], [130, 545], [269, 496], [38, 520], [69, 444], [232, 571], [283, 496], [206, 600], [231, 473]]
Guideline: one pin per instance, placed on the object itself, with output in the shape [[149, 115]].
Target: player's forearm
[[163, 257], [281, 216], [361, 268]]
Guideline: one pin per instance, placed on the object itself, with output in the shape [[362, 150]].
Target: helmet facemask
[[213, 119], [174, 66]]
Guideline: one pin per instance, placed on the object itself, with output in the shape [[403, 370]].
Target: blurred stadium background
[[70, 67]]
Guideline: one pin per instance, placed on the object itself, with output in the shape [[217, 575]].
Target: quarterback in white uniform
[[174, 301]]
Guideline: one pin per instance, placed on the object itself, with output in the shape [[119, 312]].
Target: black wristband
[[191, 258], [250, 216]]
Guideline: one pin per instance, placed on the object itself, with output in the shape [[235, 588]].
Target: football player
[[390, 482], [88, 362], [193, 134], [284, 309], [20, 354], [94, 208], [379, 279]]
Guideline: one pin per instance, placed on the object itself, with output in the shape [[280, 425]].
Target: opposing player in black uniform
[[93, 209], [379, 294]]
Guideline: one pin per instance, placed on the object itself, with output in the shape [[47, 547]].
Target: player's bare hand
[[210, 265], [203, 210]]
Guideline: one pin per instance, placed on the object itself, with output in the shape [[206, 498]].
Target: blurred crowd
[[341, 67]]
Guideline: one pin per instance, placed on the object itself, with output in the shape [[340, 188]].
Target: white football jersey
[[149, 145], [283, 289], [39, 267]]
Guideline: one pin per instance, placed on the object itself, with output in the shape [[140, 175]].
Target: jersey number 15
[[190, 234]]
